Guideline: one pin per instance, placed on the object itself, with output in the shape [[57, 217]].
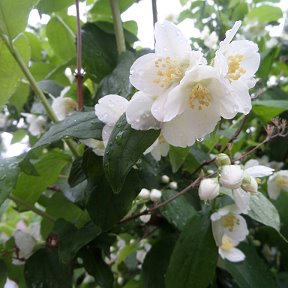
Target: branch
[[118, 29]]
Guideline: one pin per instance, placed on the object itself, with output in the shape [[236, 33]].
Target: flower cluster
[[240, 183], [180, 93]]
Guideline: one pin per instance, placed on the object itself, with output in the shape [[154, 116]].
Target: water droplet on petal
[[200, 139]]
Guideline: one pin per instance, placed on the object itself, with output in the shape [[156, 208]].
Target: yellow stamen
[[199, 96], [229, 221], [227, 243], [234, 68]]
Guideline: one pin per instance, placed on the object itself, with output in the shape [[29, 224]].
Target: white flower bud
[[120, 281], [173, 185], [144, 194], [165, 179], [222, 159], [209, 189], [231, 176], [145, 218], [155, 195], [249, 184]]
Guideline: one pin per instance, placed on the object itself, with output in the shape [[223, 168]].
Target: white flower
[[155, 195], [36, 123], [159, 148], [228, 251], [165, 179], [277, 183], [10, 284], [145, 218], [237, 61], [158, 73], [208, 189], [231, 176], [97, 146], [173, 185], [210, 39], [144, 194], [108, 110], [63, 106], [227, 221]]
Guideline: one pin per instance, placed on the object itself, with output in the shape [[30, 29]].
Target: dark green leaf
[[194, 258], [76, 174], [10, 72], [156, 262], [263, 211], [50, 87], [49, 6], [252, 272], [179, 211], [3, 273], [81, 125], [72, 239], [58, 33], [177, 156], [99, 52], [43, 269], [118, 81], [12, 23], [124, 149], [96, 267], [8, 176]]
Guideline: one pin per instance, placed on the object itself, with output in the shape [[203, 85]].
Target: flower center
[[281, 181], [227, 243], [200, 97], [168, 71], [229, 221], [234, 68]]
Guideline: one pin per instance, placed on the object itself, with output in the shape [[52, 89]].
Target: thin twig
[[79, 74], [162, 204]]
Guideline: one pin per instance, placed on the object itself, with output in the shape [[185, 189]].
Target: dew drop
[[200, 139]]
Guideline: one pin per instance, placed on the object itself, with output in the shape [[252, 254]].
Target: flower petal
[[242, 199], [138, 113], [110, 108], [259, 171], [273, 189], [106, 132], [232, 255], [230, 35]]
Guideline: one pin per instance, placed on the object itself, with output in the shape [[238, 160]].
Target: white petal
[[110, 108], [161, 150], [170, 41], [157, 108], [259, 171], [106, 132], [251, 163], [233, 255], [138, 113], [242, 199], [183, 130], [273, 190], [25, 243], [220, 63], [230, 34]]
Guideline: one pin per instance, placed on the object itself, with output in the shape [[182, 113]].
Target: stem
[[118, 29], [162, 204], [38, 92], [79, 74], [31, 207], [154, 11]]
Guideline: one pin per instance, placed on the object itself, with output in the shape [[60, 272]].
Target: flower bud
[[231, 176], [165, 179], [144, 194], [173, 185], [249, 184], [222, 159], [155, 195], [208, 189], [145, 218]]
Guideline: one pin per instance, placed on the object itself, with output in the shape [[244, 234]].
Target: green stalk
[[18, 58], [31, 207], [118, 28]]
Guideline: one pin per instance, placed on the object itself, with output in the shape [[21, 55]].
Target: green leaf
[[156, 262], [268, 109], [194, 258], [252, 272], [95, 266], [81, 125], [179, 211], [58, 33], [12, 23], [71, 239], [43, 269], [9, 172], [177, 156], [263, 211], [265, 14], [124, 149], [10, 72], [20, 96], [99, 52], [49, 166], [76, 175], [3, 273], [118, 81], [49, 6]]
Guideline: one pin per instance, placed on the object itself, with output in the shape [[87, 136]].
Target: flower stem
[[154, 12], [31, 207], [38, 92], [118, 28], [79, 74]]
